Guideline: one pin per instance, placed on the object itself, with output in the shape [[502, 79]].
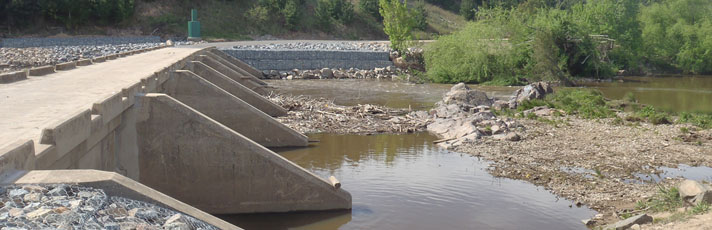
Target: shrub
[[467, 9], [370, 7], [334, 10], [259, 13], [397, 23], [420, 15], [291, 14]]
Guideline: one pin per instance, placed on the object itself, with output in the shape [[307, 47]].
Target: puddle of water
[[394, 94], [698, 173], [405, 182], [672, 93]]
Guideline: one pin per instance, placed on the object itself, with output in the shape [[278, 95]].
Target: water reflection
[[673, 93], [405, 182]]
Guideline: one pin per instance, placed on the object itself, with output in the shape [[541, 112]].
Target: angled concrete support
[[235, 67], [232, 74], [114, 184], [236, 89], [195, 159], [229, 110], [240, 64]]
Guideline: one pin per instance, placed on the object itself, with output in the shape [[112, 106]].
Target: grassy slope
[[227, 20]]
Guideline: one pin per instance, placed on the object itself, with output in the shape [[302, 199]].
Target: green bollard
[[193, 26]]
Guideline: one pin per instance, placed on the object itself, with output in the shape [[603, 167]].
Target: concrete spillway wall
[[311, 59], [195, 130]]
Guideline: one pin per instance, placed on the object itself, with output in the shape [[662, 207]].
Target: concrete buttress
[[202, 162], [231, 111], [235, 88]]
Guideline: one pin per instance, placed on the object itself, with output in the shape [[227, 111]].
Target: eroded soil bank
[[595, 162]]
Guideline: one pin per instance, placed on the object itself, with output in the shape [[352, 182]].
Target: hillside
[[220, 19]]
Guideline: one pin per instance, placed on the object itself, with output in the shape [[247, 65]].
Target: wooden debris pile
[[319, 115]]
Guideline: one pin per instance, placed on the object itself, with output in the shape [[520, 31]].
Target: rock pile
[[362, 46], [535, 90], [63, 206], [327, 73], [464, 115], [12, 59]]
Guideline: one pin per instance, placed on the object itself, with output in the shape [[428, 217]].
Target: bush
[[467, 9], [420, 16], [291, 14], [334, 10], [370, 7], [397, 23], [259, 13]]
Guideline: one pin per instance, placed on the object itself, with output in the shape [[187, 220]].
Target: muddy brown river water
[[405, 182]]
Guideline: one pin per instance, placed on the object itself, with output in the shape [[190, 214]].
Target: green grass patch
[[697, 119], [667, 199], [653, 115]]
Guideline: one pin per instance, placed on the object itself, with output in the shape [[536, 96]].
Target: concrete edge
[[16, 158], [13, 76], [42, 70], [84, 62], [66, 66], [68, 132], [110, 107], [115, 184]]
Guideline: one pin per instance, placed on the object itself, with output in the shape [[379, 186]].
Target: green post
[[194, 26]]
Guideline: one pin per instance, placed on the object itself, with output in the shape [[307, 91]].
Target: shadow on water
[[405, 182]]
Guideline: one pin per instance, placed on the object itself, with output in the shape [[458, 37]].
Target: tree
[[397, 23]]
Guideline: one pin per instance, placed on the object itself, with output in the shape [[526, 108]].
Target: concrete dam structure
[[183, 128]]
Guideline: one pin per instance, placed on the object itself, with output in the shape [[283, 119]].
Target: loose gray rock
[[627, 223]]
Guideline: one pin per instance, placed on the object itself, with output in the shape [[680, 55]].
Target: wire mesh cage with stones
[[62, 206]]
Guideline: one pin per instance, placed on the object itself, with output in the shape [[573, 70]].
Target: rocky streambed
[[65, 206]]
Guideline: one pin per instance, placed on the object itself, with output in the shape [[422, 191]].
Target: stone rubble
[[63, 206], [464, 116], [351, 46], [327, 73]]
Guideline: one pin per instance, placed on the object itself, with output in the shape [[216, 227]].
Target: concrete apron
[[201, 137]]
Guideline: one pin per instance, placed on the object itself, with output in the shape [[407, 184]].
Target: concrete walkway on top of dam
[[28, 106]]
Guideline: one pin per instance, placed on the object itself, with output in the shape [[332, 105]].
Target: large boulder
[[695, 192], [627, 223], [465, 97], [537, 90]]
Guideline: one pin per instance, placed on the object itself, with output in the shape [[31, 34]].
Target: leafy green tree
[[397, 23]]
